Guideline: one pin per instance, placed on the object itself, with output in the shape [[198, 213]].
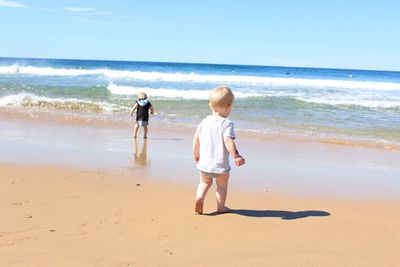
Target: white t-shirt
[[214, 157]]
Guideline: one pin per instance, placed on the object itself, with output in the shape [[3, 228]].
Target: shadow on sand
[[284, 215]]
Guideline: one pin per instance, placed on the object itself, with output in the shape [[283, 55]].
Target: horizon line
[[202, 63]]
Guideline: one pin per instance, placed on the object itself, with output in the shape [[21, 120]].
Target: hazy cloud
[[5, 3], [107, 22], [52, 10], [88, 14], [100, 13], [79, 9], [82, 14]]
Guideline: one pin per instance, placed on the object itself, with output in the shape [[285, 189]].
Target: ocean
[[338, 105]]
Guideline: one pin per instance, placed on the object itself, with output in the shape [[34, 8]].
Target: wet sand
[[300, 168], [78, 195]]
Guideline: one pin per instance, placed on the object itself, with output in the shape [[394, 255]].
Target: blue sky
[[339, 34]]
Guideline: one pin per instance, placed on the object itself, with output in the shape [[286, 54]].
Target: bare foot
[[144, 137], [198, 207], [223, 210]]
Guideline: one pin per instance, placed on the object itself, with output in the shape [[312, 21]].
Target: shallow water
[[273, 166]]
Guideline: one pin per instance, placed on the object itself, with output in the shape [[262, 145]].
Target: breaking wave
[[16, 69], [28, 100], [368, 101]]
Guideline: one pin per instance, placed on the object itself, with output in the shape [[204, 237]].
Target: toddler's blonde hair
[[221, 96], [141, 95]]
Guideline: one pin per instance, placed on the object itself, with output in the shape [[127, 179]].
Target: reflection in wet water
[[140, 154]]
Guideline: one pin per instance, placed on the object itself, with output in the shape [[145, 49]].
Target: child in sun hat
[[142, 107]]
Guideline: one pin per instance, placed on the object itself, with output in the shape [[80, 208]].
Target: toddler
[[142, 107], [213, 142]]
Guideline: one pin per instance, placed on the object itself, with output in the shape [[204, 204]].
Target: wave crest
[[171, 93], [199, 78], [31, 100], [367, 101]]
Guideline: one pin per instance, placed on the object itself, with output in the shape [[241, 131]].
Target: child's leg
[[135, 130], [202, 189], [222, 190], [144, 131]]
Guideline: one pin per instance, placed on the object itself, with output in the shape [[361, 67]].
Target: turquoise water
[[357, 105]]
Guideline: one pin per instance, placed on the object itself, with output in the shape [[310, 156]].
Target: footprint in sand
[[169, 252]]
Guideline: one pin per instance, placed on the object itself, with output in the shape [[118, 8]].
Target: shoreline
[[273, 165], [75, 118]]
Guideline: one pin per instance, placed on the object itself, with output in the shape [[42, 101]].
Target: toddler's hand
[[239, 161]]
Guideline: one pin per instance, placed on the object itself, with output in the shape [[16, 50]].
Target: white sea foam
[[348, 101], [21, 99], [46, 71], [363, 100], [200, 78], [171, 93], [32, 100], [24, 99], [372, 100]]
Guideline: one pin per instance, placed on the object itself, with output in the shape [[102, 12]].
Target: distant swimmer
[[287, 73]]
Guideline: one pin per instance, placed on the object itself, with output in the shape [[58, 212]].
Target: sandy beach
[[312, 93], [85, 195]]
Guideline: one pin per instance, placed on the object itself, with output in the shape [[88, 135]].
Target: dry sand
[[57, 216]]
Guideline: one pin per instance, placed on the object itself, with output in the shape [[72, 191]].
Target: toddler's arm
[[133, 109], [152, 110], [196, 147], [231, 147]]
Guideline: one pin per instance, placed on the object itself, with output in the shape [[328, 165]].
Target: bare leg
[[222, 190], [202, 189], [135, 130], [145, 132]]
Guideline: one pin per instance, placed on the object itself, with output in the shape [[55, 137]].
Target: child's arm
[[196, 147], [133, 109], [231, 147], [152, 110]]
